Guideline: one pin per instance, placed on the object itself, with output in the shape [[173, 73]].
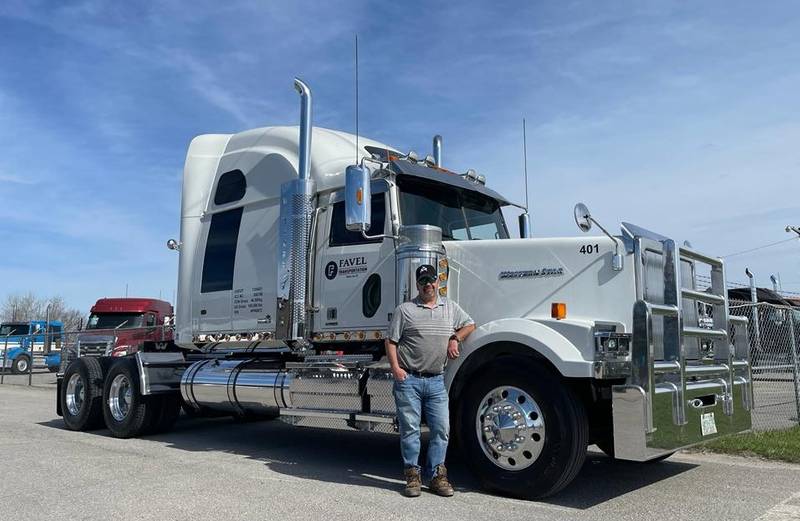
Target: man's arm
[[463, 325], [459, 336], [392, 339], [391, 352]]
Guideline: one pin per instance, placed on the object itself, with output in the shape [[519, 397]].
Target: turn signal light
[[558, 310], [360, 195]]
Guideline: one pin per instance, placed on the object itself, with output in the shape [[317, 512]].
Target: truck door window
[[14, 329], [151, 320], [230, 187], [341, 236], [221, 251], [371, 296]]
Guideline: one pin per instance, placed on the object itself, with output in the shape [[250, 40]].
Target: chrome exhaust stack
[[437, 150], [294, 234]]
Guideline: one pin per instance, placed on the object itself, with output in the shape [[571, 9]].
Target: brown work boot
[[413, 482], [439, 484]]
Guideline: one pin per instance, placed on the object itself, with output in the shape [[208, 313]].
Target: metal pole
[[31, 345], [5, 351], [795, 368], [754, 300]]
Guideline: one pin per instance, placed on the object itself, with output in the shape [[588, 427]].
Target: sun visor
[[405, 167]]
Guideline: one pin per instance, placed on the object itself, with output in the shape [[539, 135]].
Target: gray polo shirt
[[422, 333]]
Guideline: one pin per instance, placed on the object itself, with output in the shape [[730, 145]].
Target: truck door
[[354, 285]]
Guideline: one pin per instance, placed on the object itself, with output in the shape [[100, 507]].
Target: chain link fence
[[774, 335]]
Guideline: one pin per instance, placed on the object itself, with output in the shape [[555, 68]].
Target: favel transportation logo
[[349, 267], [331, 269]]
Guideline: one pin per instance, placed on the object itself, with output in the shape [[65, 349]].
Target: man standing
[[424, 333]]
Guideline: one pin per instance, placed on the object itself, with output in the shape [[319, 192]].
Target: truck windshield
[[14, 329], [461, 214], [115, 320]]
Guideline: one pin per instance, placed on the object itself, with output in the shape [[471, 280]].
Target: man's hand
[[452, 349], [399, 374]]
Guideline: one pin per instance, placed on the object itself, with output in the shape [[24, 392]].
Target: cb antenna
[[525, 159], [356, 49], [525, 218]]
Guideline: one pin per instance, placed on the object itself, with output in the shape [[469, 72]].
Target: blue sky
[[680, 117]]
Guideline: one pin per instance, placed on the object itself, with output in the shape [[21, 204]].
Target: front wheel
[[21, 365], [522, 431], [126, 411]]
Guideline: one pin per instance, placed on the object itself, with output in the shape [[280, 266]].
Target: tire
[[21, 365], [167, 408], [81, 395], [547, 422], [126, 411]]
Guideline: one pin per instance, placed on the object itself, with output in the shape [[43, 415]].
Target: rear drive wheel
[[82, 394], [522, 431], [21, 364], [126, 411]]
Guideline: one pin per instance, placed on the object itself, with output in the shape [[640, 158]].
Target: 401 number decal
[[588, 249]]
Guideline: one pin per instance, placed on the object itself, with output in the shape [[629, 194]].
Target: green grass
[[778, 445]]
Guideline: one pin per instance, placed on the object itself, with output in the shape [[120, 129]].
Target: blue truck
[[21, 340]]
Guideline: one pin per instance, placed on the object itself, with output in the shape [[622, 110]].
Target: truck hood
[[522, 278]]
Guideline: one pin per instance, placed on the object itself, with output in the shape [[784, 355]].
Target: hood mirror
[[583, 218]]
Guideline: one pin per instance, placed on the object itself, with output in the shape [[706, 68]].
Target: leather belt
[[421, 374]]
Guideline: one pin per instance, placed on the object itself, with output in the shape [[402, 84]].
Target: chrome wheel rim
[[22, 365], [510, 428], [75, 394], [120, 397]]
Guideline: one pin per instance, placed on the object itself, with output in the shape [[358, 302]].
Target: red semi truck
[[118, 326]]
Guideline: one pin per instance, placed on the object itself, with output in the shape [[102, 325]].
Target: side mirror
[[583, 218], [357, 198]]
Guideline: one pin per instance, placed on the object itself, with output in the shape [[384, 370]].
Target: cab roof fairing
[[267, 157]]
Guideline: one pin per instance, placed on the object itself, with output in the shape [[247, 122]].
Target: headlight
[[612, 345], [120, 351]]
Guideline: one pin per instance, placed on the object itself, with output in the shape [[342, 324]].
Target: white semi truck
[[297, 244]]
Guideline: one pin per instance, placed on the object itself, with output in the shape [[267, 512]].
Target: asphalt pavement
[[218, 469]]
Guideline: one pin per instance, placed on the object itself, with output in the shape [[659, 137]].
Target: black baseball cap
[[426, 273]]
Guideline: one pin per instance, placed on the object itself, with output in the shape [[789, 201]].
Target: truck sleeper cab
[[287, 282]]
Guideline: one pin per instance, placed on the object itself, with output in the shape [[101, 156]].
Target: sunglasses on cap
[[426, 280]]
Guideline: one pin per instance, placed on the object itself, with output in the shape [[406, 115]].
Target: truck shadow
[[373, 460]]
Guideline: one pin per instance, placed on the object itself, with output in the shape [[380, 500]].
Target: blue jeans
[[414, 397]]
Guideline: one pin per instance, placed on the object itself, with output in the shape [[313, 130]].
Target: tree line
[[23, 308]]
